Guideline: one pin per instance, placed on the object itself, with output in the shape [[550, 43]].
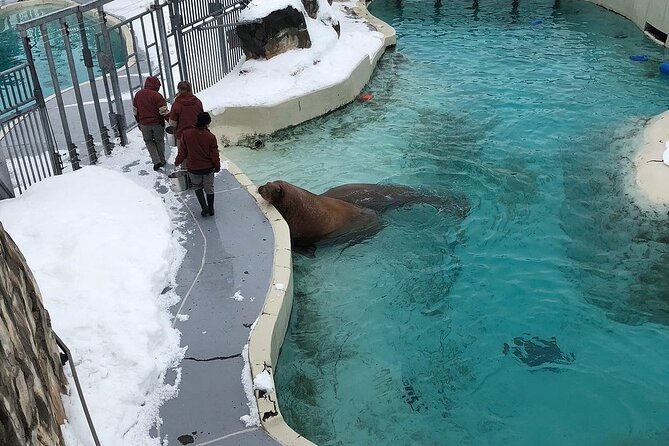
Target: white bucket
[[179, 180]]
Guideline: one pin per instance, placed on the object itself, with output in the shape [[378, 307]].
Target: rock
[[311, 7], [31, 375], [278, 32]]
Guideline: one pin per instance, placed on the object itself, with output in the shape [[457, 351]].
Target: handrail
[[15, 68], [65, 350], [61, 13]]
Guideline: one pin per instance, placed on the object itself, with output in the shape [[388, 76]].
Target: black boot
[[199, 193], [210, 201]]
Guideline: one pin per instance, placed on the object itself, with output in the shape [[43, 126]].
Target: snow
[[238, 296], [102, 249], [127, 8], [253, 418], [258, 9], [329, 61], [264, 382]]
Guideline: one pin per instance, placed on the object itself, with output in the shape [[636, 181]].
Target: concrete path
[[230, 254]]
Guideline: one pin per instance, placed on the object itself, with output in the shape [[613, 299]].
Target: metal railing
[[27, 148], [105, 64], [196, 22]]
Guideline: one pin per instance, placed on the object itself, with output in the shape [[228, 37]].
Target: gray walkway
[[239, 245]]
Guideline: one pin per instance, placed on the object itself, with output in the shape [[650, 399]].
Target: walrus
[[312, 218], [347, 213]]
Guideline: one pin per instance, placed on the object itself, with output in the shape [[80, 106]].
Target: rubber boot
[[210, 201], [199, 193]]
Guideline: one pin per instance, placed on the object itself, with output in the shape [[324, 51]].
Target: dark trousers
[[154, 138]]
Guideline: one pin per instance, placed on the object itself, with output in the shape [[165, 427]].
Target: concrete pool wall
[[642, 13]]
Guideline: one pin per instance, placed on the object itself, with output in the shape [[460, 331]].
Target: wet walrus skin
[[312, 218], [347, 213], [381, 197]]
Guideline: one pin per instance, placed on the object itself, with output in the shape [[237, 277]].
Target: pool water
[[12, 54], [543, 316]]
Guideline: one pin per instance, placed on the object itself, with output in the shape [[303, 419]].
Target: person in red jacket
[[199, 150], [185, 109], [150, 110]]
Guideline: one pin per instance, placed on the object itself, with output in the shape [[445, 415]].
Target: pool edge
[[270, 328], [236, 123], [651, 177]]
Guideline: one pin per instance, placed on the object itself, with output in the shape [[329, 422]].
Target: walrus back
[[382, 198]]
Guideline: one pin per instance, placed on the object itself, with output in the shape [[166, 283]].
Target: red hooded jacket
[[149, 105], [198, 146], [184, 112]]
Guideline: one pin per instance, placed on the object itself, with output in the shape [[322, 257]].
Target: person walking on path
[[198, 148], [184, 111], [150, 111]]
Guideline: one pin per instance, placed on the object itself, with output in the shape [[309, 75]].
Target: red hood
[[186, 98], [152, 83]]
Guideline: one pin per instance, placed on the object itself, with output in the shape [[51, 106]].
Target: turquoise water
[[540, 319], [12, 54]]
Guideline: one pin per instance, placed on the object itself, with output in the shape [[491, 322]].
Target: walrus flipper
[[307, 250], [536, 352], [348, 238]]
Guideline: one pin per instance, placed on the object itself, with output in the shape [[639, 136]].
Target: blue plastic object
[[664, 68], [639, 58], [536, 22]]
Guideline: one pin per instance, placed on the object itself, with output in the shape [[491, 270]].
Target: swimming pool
[[542, 318], [11, 47]]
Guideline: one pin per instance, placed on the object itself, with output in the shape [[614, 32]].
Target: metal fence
[[211, 23], [27, 148], [104, 62]]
